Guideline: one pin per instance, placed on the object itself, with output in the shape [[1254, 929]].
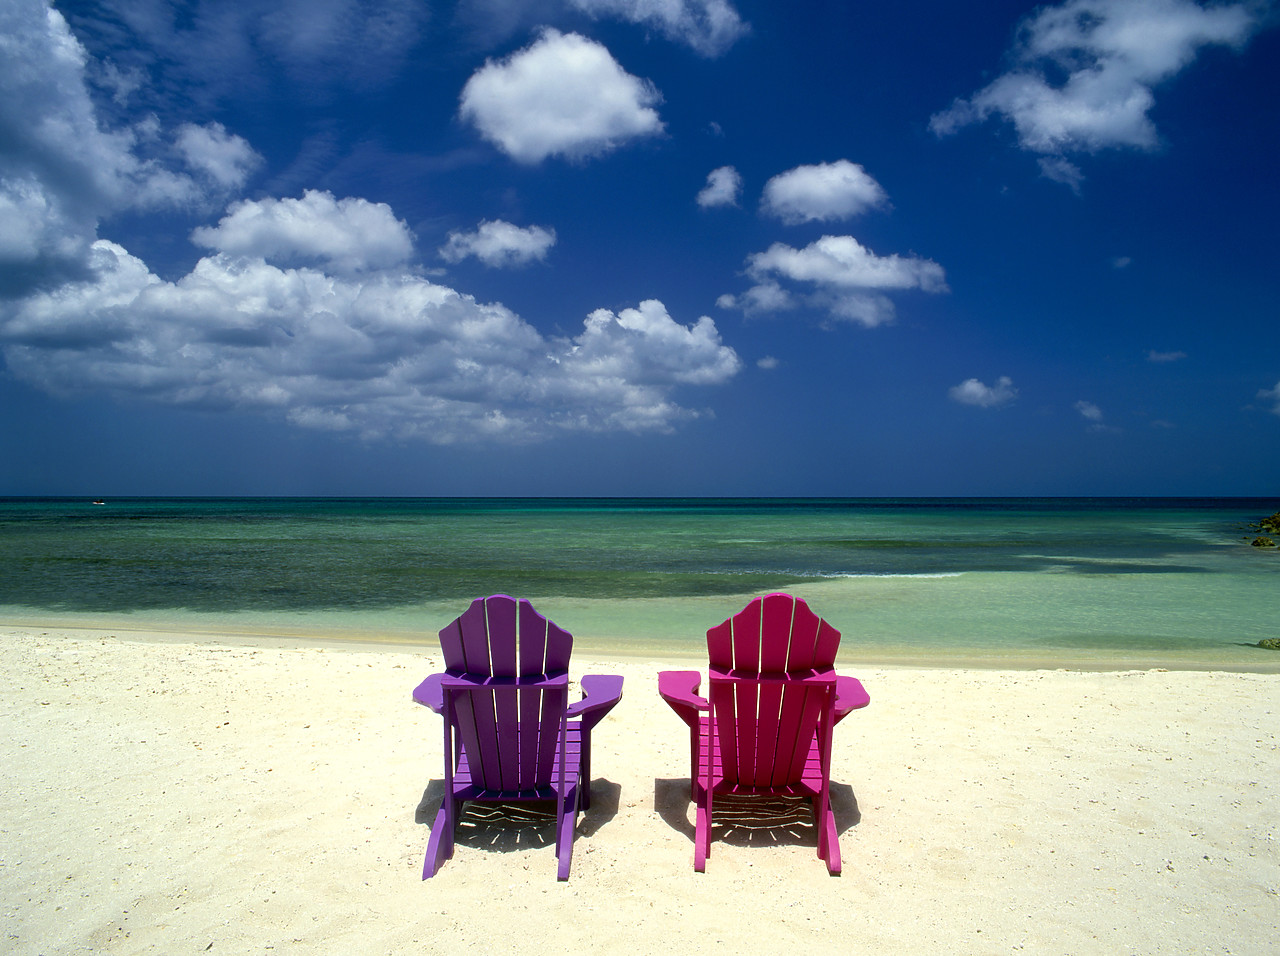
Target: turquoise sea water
[[1071, 582]]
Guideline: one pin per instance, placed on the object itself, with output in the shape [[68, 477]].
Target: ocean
[[1141, 582]]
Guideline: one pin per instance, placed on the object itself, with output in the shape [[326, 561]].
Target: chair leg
[[585, 796], [693, 762], [702, 835], [565, 828], [704, 789], [440, 845], [828, 841]]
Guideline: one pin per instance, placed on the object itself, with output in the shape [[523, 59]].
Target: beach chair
[[510, 732], [766, 725]]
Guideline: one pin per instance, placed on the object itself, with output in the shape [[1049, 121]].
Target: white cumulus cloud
[[564, 95], [224, 157], [821, 193], [306, 309], [708, 26], [1085, 71], [346, 235], [62, 170], [765, 296], [722, 188], [498, 243], [974, 392], [384, 353], [846, 279], [645, 343], [843, 262]]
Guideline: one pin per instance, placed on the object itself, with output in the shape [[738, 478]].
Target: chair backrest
[[500, 636], [775, 634], [509, 691], [772, 679]]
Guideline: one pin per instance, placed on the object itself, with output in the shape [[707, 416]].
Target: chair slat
[[473, 629], [559, 647], [722, 699], [531, 705], [500, 616], [776, 614], [533, 640], [720, 645], [770, 730], [826, 646], [451, 647], [746, 697], [545, 735], [746, 638], [808, 709], [805, 624], [506, 702], [792, 739]]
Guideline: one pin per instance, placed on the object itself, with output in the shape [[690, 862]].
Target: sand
[[191, 796]]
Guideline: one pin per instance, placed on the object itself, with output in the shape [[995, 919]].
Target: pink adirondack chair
[[766, 725], [510, 733]]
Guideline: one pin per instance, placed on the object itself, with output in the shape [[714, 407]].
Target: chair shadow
[[515, 825], [671, 799], [755, 820]]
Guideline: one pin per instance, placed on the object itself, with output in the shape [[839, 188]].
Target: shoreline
[[307, 634], [186, 796]]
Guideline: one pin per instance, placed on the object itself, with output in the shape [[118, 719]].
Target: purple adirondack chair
[[505, 694], [766, 729]]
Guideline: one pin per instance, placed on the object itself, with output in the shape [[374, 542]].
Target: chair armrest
[[599, 694], [850, 696], [680, 690], [430, 694]]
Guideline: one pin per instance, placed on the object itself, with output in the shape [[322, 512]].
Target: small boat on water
[[98, 501]]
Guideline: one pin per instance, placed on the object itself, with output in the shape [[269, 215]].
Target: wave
[[921, 575]]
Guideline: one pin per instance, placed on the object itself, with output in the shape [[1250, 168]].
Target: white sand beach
[[196, 796]]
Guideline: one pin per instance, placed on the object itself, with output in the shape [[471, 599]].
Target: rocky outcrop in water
[[1265, 527]]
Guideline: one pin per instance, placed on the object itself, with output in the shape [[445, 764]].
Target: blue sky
[[639, 247]]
